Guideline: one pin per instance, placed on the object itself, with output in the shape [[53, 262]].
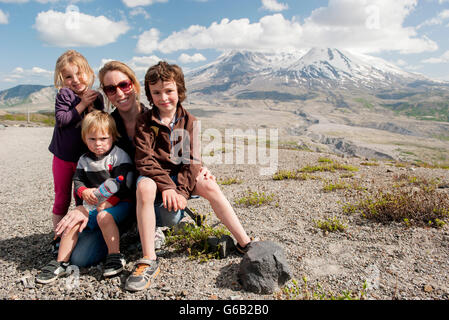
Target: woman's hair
[[123, 68], [76, 58], [101, 121], [165, 72]]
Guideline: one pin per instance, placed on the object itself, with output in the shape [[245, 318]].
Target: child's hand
[[173, 201], [205, 174], [89, 197], [88, 98]]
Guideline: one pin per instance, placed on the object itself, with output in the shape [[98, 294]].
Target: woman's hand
[[71, 219], [173, 201]]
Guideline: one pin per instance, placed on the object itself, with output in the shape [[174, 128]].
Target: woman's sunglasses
[[124, 86]]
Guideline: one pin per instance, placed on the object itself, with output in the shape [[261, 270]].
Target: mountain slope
[[27, 94], [237, 68], [318, 69]]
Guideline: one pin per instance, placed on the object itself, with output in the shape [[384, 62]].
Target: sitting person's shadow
[[29, 252]]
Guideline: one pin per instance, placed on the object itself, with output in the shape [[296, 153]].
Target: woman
[[122, 90]]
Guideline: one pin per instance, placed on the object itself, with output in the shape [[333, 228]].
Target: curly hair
[[165, 72]]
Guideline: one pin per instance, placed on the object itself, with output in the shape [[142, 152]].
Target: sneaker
[[55, 247], [52, 271], [159, 239], [115, 262], [145, 271], [243, 250]]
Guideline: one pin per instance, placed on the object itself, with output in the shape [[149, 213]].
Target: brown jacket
[[154, 149]]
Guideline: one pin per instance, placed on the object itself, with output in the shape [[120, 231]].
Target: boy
[[161, 169], [102, 161]]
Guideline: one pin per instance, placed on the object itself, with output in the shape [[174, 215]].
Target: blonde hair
[[123, 68], [76, 58], [99, 120]]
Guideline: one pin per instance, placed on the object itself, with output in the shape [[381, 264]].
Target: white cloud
[[269, 32], [273, 5], [139, 65], [137, 3], [197, 57], [401, 63], [444, 58], [20, 73], [40, 71], [148, 41], [366, 26], [439, 19], [73, 29], [139, 11], [3, 17]]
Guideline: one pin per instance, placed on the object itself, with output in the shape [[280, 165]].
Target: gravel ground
[[399, 262]]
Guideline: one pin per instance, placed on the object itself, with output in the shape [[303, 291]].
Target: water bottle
[[104, 191]]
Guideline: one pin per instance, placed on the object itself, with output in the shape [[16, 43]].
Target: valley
[[322, 99]]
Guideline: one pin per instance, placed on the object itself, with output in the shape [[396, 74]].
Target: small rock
[[223, 245], [428, 288]]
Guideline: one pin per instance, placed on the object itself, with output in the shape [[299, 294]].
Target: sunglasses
[[124, 86]]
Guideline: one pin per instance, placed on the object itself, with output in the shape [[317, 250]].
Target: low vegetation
[[255, 198], [46, 119], [192, 239], [420, 207], [229, 181], [325, 165], [295, 291], [330, 224]]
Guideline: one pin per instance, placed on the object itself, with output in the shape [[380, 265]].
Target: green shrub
[[193, 239], [424, 207]]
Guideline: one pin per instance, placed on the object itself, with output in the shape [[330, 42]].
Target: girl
[[73, 78]]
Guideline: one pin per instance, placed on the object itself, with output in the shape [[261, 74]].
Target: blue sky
[[413, 34]]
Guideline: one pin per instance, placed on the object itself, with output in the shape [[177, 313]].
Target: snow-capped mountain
[[239, 68], [315, 69], [332, 68]]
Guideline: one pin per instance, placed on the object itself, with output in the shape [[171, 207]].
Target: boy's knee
[[207, 187], [104, 218], [146, 190]]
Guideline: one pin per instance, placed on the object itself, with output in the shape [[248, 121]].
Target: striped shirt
[[92, 171]]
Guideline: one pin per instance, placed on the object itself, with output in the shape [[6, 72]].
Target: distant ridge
[[27, 93]]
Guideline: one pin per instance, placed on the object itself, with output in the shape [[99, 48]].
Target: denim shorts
[[91, 247], [165, 218], [119, 212]]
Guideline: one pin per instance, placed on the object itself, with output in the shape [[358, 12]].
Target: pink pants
[[63, 172]]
